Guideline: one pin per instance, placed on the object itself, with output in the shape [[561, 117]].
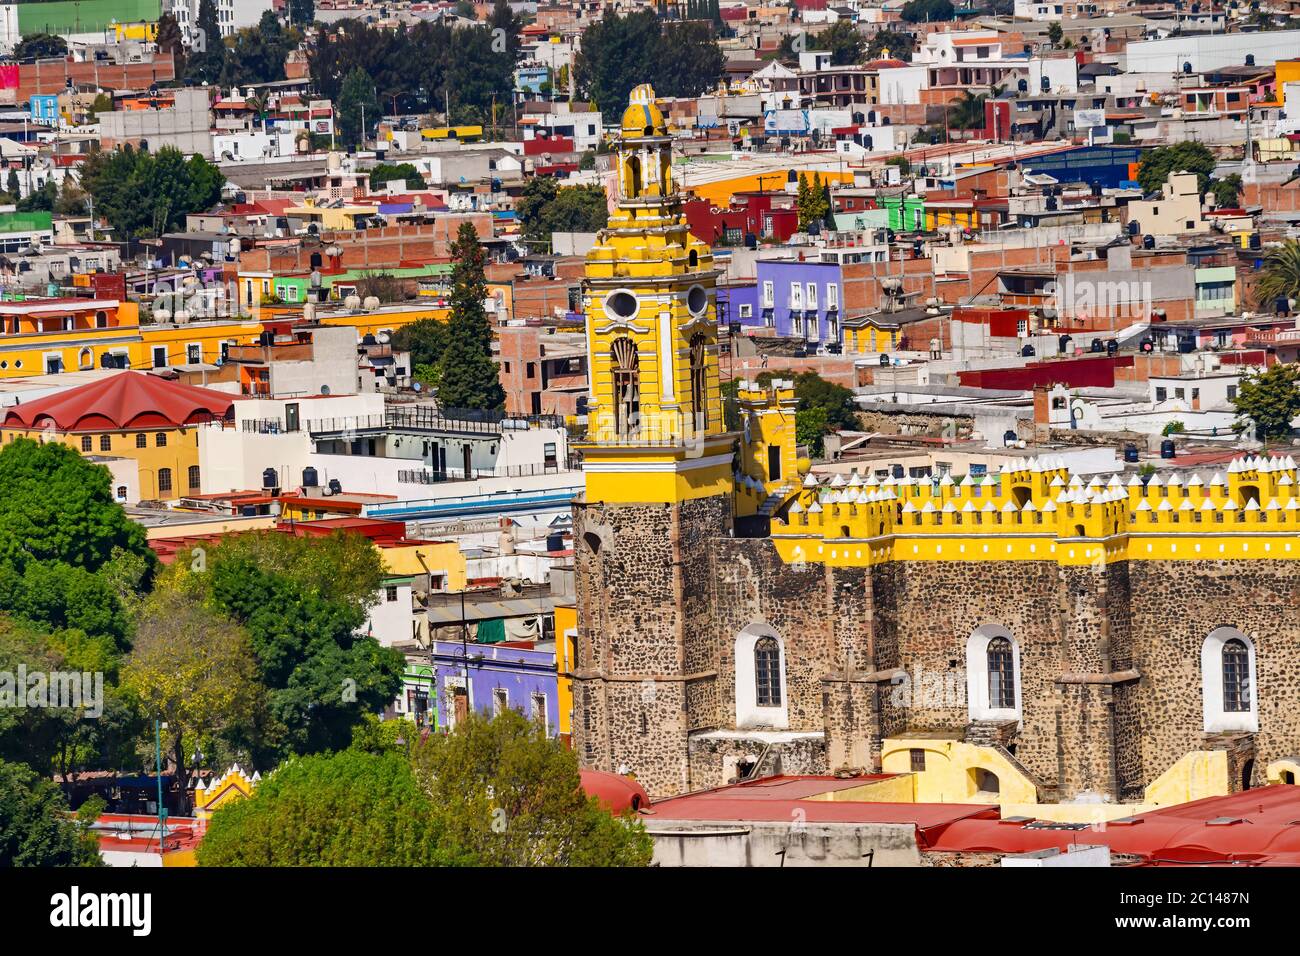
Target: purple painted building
[[802, 300], [739, 303], [500, 676]]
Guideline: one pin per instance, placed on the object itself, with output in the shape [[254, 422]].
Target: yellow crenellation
[[1036, 510]]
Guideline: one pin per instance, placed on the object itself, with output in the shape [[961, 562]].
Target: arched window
[[1002, 674], [761, 700], [164, 480], [193, 477], [627, 386], [699, 383], [993, 674], [767, 673], [1228, 679], [1236, 677], [633, 177]]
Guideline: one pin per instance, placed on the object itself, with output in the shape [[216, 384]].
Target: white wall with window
[[1228, 682], [993, 689], [761, 695]]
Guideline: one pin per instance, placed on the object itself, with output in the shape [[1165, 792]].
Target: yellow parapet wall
[[1037, 511]]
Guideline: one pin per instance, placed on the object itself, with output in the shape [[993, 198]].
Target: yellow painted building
[[79, 339], [131, 415], [566, 640]]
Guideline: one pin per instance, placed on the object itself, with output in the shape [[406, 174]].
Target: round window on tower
[[621, 305], [697, 300]]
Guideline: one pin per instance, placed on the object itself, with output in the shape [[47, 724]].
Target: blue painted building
[[1107, 166], [802, 300], [44, 108]]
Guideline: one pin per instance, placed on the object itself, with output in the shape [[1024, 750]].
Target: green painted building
[[906, 213], [83, 16], [294, 288]]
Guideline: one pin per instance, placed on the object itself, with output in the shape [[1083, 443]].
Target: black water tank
[[884, 359], [1027, 351], [1064, 344], [1167, 448], [1009, 437], [270, 479], [336, 487], [1254, 241], [309, 477], [1111, 346], [1134, 227], [555, 542], [1097, 346], [1131, 452], [1148, 242]]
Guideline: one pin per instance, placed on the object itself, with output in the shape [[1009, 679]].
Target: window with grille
[[105, 443], [160, 440], [192, 476], [1002, 676], [500, 701], [86, 444], [164, 480], [767, 672], [141, 440], [918, 760], [1236, 677]]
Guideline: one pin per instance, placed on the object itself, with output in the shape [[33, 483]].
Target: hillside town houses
[[1039, 253]]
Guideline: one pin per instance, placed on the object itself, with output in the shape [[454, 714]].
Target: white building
[[232, 15], [1211, 51]]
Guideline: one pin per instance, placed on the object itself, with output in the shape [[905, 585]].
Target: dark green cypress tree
[[469, 375]]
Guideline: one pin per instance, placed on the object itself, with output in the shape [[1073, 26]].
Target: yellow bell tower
[[655, 427]]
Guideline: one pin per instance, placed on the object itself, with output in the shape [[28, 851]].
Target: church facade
[[1025, 637]]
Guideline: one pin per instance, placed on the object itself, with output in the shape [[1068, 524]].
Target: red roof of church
[[128, 400]]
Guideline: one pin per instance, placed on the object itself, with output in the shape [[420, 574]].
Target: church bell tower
[[658, 466]]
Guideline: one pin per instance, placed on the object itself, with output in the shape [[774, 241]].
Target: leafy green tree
[[302, 11], [192, 668], [813, 201], [895, 44], [1226, 190], [257, 54], [1268, 401], [1187, 157], [842, 40], [303, 603], [544, 207], [12, 186], [968, 111], [810, 428], [346, 809], [35, 829], [358, 107], [57, 506], [425, 339], [928, 11], [620, 52], [40, 46], [1055, 34], [169, 40], [387, 172], [145, 194], [1280, 278], [469, 377], [207, 57], [511, 796]]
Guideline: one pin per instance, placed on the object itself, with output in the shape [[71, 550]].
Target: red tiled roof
[[129, 400], [1254, 827]]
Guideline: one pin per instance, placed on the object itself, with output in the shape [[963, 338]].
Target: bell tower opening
[[627, 387]]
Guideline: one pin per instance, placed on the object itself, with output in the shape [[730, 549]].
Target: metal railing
[[432, 476]]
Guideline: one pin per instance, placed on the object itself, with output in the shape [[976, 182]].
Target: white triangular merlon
[[1207, 505], [1144, 505], [1049, 507]]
